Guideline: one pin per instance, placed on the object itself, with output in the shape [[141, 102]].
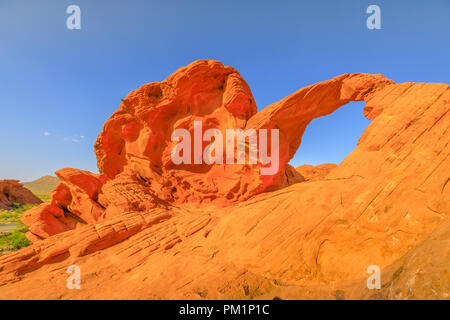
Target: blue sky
[[68, 82]]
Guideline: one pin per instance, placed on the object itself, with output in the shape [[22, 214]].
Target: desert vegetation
[[12, 230]]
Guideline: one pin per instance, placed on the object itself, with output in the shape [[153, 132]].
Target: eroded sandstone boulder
[[12, 191]]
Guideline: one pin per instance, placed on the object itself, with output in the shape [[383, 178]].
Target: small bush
[[15, 240], [9, 216], [44, 197], [13, 215]]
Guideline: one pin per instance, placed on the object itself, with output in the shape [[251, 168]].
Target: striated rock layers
[[12, 191], [146, 228]]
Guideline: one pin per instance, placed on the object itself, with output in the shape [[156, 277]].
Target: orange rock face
[[190, 231], [11, 191], [319, 172]]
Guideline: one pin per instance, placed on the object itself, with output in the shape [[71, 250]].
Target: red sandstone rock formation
[[11, 191], [134, 148], [162, 231]]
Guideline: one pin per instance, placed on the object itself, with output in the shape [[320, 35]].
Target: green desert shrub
[[43, 197], [15, 240], [13, 214]]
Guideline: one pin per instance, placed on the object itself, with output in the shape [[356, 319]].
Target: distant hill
[[42, 185]]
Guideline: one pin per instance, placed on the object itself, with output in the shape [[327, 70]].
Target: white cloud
[[46, 133], [75, 138]]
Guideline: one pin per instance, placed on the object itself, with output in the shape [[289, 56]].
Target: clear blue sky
[[68, 82]]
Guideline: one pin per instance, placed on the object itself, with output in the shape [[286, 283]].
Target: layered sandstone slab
[[132, 236]]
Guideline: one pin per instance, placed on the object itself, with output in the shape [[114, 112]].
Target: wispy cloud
[[75, 139], [46, 133]]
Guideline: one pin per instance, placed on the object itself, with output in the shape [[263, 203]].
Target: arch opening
[[330, 139]]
